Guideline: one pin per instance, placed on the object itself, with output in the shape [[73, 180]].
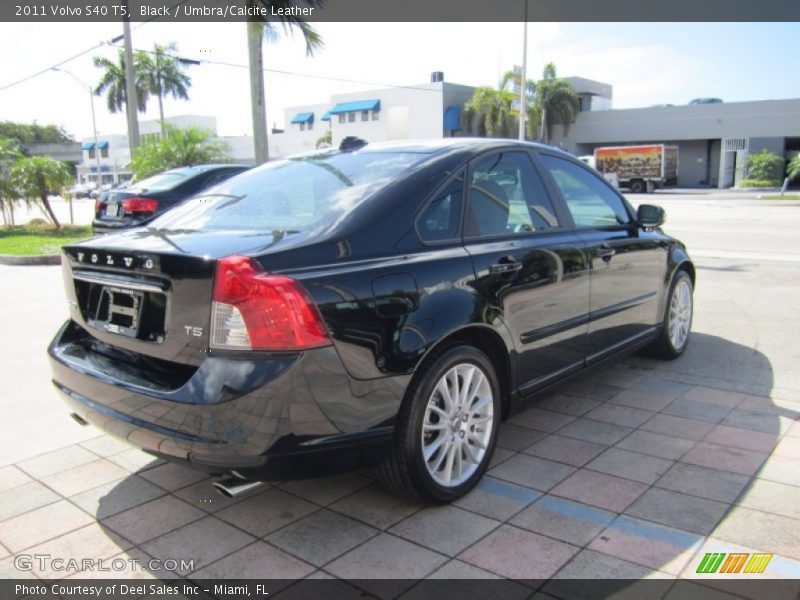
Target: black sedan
[[380, 304], [135, 204]]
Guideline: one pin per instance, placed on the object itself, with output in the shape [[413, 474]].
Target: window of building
[[365, 115], [91, 152], [507, 197], [375, 115], [104, 152], [351, 117], [341, 117], [310, 125], [302, 126], [589, 199]]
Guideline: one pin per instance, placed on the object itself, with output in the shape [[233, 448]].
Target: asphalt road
[[746, 321]]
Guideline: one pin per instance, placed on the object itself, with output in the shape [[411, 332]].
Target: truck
[[639, 168]]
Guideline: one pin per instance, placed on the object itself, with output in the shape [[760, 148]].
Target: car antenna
[[352, 142]]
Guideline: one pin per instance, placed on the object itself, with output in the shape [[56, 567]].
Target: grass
[[779, 197], [40, 239]]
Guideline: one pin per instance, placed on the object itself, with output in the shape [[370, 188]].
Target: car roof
[[437, 146], [196, 169]]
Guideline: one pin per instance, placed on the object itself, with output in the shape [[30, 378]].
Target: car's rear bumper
[[265, 416]]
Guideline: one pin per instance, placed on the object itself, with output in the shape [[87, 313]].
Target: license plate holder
[[119, 311], [114, 209]]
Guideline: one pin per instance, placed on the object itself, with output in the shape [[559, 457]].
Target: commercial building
[[110, 157], [427, 110], [713, 140]]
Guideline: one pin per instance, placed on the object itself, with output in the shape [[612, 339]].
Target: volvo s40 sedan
[[378, 304]]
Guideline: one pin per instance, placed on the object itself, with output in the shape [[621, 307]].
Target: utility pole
[[130, 89], [522, 94]]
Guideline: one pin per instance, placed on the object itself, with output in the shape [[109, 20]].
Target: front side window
[[440, 219], [590, 201], [305, 194], [507, 197]]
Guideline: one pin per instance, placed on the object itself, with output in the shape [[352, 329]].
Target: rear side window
[[295, 195], [163, 181], [440, 219], [590, 201], [507, 197]]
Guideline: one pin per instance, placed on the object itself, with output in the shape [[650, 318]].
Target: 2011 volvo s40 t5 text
[[378, 304]]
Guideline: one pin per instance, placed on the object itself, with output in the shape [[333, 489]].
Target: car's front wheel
[[447, 428], [673, 336]]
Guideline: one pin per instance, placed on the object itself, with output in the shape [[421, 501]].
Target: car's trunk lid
[[150, 291]]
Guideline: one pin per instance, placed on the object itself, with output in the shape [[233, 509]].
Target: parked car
[[705, 101], [387, 304], [139, 202], [81, 190]]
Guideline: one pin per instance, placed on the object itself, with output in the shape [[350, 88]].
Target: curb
[[30, 259]]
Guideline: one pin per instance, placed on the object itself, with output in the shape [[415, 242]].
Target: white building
[[428, 110], [111, 156]]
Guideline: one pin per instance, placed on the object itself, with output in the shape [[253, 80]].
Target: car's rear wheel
[[447, 428], [673, 337]]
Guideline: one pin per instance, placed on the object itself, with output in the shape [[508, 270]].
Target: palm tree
[[163, 75], [10, 151], [325, 140], [112, 83], [793, 168], [488, 113], [265, 28], [37, 177], [557, 102], [178, 148]]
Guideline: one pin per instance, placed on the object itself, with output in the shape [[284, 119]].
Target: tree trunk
[[544, 135], [49, 209], [255, 35], [161, 113]]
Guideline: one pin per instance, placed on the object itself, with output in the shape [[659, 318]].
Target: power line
[[292, 73], [79, 54]]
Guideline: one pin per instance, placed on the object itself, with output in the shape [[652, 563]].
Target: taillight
[[132, 205], [97, 205], [254, 310]]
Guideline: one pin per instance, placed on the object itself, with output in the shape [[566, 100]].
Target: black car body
[[137, 203], [288, 321]]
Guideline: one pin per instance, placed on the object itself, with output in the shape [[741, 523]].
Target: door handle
[[605, 252], [506, 265]]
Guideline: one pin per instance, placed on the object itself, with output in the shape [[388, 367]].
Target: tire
[[445, 460], [638, 186], [678, 313]]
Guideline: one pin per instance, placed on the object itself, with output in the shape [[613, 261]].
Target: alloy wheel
[[457, 425], [680, 314]]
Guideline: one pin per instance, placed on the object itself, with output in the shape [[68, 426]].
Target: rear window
[[163, 181], [297, 194]]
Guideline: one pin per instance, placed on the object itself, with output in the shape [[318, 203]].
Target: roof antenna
[[352, 142]]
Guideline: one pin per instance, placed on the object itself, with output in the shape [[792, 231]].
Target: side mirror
[[648, 215]]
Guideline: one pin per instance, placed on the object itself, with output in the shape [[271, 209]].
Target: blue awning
[[102, 145], [87, 145], [452, 118], [303, 118], [357, 106], [326, 116]]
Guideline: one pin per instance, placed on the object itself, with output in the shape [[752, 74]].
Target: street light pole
[[83, 84], [523, 96]]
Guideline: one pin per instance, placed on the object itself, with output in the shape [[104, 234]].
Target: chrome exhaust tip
[[232, 487]]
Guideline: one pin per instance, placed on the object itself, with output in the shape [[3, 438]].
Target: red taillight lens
[[132, 205], [254, 310], [97, 205]]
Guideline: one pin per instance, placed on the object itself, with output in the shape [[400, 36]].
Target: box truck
[[639, 168]]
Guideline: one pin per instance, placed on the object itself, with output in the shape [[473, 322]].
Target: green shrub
[[764, 165], [759, 183]]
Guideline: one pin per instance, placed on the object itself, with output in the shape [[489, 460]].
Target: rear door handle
[[605, 252], [506, 266]]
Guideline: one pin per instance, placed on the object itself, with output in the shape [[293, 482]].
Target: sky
[[646, 63]]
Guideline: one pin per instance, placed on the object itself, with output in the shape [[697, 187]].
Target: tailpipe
[[235, 486]]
